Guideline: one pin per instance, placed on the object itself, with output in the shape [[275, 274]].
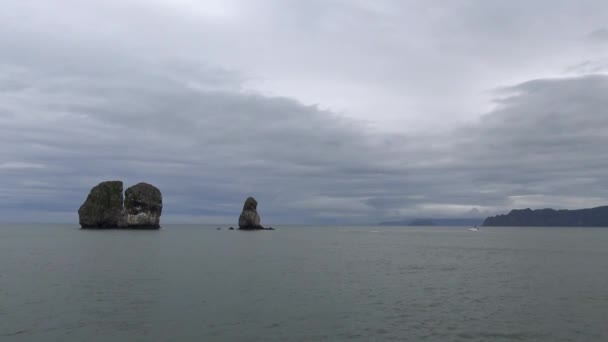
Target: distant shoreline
[[590, 217], [422, 222]]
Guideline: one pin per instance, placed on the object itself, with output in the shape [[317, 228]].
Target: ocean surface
[[195, 283]]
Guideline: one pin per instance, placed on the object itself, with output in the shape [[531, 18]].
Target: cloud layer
[[84, 99]]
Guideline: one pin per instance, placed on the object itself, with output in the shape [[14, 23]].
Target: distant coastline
[[458, 222], [591, 217]]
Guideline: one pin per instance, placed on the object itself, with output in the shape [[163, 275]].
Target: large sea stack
[[250, 219], [143, 206], [104, 207]]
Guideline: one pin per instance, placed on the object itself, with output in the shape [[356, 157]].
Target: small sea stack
[[106, 207], [249, 218]]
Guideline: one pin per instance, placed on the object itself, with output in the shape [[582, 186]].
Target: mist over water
[[195, 283]]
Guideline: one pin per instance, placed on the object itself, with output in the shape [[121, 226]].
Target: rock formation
[[104, 208], [593, 217], [250, 219], [143, 206]]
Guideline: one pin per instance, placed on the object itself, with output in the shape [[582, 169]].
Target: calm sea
[[195, 283]]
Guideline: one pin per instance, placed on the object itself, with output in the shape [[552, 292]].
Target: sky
[[326, 111]]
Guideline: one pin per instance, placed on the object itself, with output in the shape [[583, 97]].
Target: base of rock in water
[[122, 227], [255, 228]]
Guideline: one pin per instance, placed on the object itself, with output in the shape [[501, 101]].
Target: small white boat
[[474, 229]]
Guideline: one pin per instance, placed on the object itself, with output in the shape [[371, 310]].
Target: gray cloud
[[599, 34], [589, 67], [81, 103]]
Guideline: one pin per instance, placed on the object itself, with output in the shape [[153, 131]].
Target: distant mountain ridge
[[474, 221], [592, 217]]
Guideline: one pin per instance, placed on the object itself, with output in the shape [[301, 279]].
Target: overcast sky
[[327, 111]]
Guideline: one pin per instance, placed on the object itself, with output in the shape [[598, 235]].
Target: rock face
[[250, 219], [104, 208], [143, 206], [593, 217]]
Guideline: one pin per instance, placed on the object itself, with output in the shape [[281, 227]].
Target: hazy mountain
[[593, 217], [475, 221]]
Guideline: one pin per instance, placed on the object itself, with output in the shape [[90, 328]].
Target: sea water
[[197, 283]]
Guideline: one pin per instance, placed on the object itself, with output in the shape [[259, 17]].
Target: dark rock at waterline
[[231, 228], [143, 206], [257, 228], [103, 206], [250, 219]]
